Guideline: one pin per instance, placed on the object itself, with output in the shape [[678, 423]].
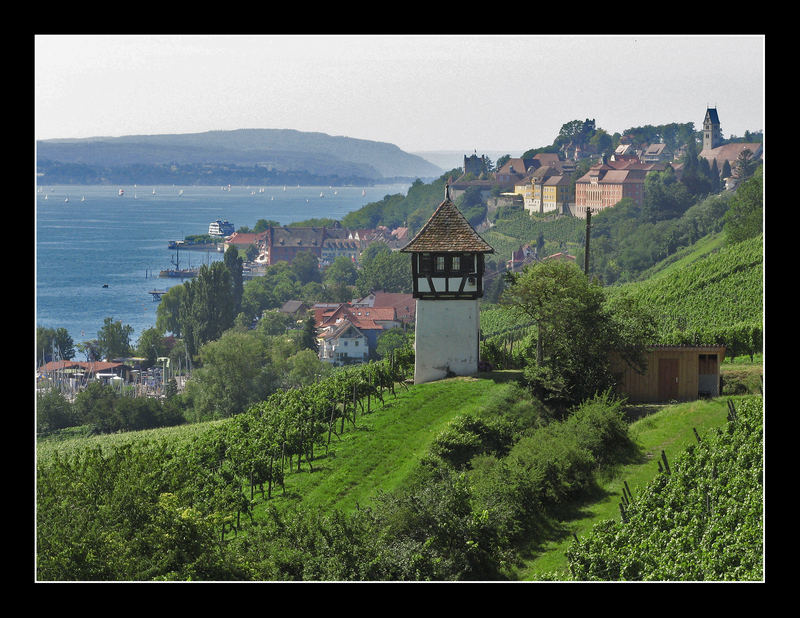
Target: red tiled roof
[[242, 238], [559, 256], [548, 158], [448, 231], [91, 367], [405, 305], [342, 327], [515, 166], [374, 313], [731, 152], [609, 175], [362, 317], [329, 316]]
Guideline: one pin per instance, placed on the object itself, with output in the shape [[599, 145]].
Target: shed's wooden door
[[667, 378]]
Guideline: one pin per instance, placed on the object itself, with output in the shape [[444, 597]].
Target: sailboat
[[363, 192], [177, 272]]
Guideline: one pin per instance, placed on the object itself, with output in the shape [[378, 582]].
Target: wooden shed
[[676, 372]]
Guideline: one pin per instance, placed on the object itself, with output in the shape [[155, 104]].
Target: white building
[[343, 344], [447, 264]]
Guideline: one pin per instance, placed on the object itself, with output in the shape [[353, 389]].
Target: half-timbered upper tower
[[447, 268]]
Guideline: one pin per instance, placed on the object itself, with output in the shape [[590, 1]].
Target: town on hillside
[[542, 184], [545, 183]]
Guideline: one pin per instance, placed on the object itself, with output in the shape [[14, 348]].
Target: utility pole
[[588, 233]]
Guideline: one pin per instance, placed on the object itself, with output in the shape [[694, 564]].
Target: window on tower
[[446, 264], [425, 262], [468, 263]]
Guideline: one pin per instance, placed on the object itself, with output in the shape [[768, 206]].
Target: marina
[[111, 238]]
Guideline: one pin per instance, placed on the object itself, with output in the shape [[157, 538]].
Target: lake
[[88, 237]]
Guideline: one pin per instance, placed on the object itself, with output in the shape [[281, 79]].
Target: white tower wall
[[446, 339]]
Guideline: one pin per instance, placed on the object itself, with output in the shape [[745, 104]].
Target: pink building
[[604, 186]]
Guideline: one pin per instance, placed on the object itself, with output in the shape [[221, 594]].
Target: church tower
[[712, 134], [447, 264]]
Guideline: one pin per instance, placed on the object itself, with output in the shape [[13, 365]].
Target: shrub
[[53, 411]]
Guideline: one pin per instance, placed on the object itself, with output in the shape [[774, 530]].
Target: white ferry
[[220, 228]]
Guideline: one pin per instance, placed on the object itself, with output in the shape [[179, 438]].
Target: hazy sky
[[420, 92]]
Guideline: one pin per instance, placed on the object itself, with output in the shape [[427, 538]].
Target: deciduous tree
[[576, 332], [234, 264], [384, 270], [114, 339], [232, 376], [168, 312], [207, 309], [53, 342]]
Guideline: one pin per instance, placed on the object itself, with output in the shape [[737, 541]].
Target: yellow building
[[555, 194], [525, 189], [533, 198]]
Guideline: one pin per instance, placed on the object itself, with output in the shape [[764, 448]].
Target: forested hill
[[279, 151]]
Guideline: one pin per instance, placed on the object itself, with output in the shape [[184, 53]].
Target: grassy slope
[[381, 452], [667, 428], [378, 454]]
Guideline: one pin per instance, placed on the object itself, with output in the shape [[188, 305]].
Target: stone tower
[[447, 264], [474, 165], [712, 134]]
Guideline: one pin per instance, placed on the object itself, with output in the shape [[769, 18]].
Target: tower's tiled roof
[[448, 231]]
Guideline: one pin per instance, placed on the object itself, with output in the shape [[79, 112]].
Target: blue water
[[122, 241]]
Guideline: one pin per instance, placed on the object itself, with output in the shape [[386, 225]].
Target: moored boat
[[183, 273], [220, 228]]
